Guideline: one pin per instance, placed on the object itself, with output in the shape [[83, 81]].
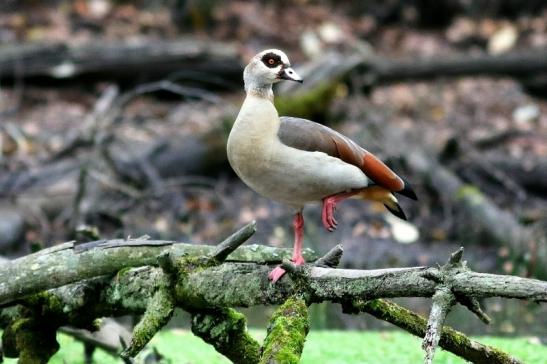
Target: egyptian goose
[[296, 161]]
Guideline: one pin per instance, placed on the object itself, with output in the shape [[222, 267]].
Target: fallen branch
[[198, 280], [199, 59], [108, 337], [531, 175], [105, 257]]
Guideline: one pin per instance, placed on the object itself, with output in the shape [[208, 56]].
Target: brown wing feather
[[306, 135]]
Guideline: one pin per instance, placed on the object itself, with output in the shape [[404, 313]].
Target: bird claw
[[327, 215], [279, 272], [276, 274], [298, 260]]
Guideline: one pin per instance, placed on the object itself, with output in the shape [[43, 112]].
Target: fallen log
[[197, 60], [368, 69], [139, 60], [517, 64]]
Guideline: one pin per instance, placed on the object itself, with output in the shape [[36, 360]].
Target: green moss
[[9, 342], [33, 341], [226, 330], [47, 302], [51, 308], [309, 104], [470, 193], [286, 333], [32, 336], [95, 325], [193, 264], [391, 312], [123, 272]]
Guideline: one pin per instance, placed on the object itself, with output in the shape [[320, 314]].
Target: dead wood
[[494, 225], [530, 174], [367, 69], [133, 61]]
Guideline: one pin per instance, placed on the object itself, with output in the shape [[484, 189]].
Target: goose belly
[[295, 177]]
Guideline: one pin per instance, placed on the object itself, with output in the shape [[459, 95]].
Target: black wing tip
[[408, 191], [397, 211]]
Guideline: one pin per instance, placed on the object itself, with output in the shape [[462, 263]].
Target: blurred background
[[114, 117]]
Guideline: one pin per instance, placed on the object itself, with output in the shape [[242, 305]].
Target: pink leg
[[297, 258], [329, 206]]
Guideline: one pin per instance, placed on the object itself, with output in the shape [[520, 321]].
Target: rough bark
[[246, 273], [443, 300]]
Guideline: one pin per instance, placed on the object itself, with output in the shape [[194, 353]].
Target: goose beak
[[287, 73]]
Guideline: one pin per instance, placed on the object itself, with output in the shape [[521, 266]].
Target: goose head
[[266, 68]]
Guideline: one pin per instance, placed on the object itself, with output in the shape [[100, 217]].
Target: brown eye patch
[[271, 60]]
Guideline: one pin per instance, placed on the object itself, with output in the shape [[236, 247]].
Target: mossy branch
[[158, 313], [228, 246], [450, 340], [226, 330], [287, 332], [201, 284], [70, 263]]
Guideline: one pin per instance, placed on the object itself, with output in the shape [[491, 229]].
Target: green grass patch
[[330, 347]]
